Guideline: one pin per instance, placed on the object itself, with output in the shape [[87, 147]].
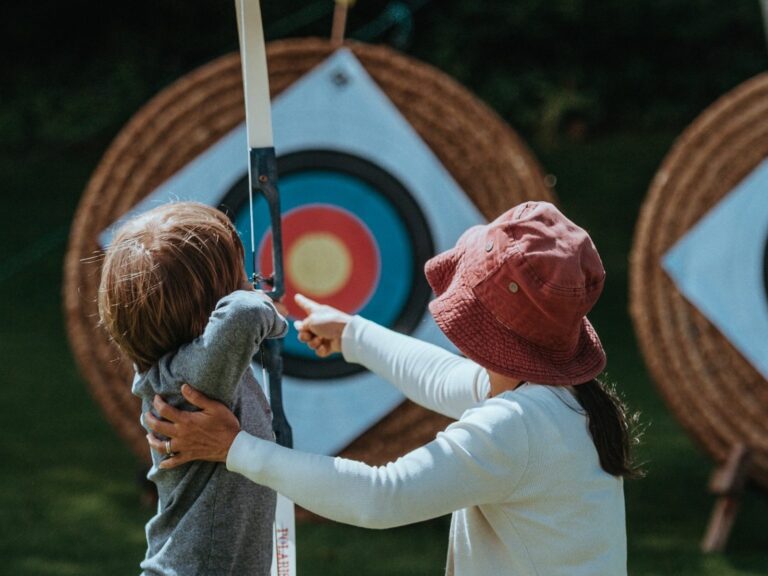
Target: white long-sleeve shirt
[[519, 471]]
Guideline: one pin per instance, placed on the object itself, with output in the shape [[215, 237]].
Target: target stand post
[[727, 483], [340, 20]]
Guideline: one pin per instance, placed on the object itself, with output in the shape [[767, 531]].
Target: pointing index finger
[[305, 303]]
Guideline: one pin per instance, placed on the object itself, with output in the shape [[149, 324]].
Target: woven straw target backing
[[711, 389], [482, 153]]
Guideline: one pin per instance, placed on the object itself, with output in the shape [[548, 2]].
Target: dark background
[[598, 89], [73, 72]]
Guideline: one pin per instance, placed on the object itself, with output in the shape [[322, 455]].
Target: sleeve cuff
[[351, 337], [281, 323], [238, 454]]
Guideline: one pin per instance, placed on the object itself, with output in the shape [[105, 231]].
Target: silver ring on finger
[[168, 451]]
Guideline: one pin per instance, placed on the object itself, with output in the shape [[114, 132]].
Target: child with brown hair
[[175, 298]]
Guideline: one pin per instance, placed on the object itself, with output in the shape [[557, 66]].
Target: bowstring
[[253, 227]]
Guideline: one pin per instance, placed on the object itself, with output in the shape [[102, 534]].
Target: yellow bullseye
[[319, 264]]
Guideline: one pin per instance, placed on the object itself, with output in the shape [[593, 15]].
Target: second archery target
[[698, 297]]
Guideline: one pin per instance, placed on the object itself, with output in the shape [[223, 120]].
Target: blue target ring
[[383, 212]]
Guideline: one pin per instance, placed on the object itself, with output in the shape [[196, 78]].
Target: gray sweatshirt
[[210, 521]]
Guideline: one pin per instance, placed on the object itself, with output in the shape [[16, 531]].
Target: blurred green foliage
[[654, 63], [75, 71]]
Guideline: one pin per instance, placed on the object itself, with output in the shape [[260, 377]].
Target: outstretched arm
[[478, 460], [215, 361], [425, 373]]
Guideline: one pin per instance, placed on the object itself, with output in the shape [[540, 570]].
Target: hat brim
[[482, 338]]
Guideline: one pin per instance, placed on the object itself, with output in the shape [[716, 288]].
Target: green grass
[[69, 499]]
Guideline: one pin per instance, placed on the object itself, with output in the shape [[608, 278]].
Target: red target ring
[[330, 257]]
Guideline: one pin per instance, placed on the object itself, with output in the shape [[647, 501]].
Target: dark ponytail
[[612, 427]]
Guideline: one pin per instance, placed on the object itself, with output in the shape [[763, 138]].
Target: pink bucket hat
[[513, 296]]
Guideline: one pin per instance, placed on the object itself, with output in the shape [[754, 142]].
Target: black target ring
[[392, 193]]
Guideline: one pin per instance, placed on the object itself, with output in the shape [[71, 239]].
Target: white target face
[[720, 267], [365, 203]]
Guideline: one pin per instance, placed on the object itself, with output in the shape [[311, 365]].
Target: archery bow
[[262, 176]]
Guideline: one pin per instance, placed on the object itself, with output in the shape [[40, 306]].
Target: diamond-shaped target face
[[359, 186], [720, 266]]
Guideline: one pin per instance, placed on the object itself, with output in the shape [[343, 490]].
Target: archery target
[[363, 119], [698, 277], [342, 145], [353, 238]]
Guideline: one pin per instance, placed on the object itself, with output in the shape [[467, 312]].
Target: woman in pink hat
[[532, 469]]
